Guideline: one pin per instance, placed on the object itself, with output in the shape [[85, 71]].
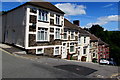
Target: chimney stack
[[76, 22]]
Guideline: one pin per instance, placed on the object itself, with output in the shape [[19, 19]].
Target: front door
[[64, 50]]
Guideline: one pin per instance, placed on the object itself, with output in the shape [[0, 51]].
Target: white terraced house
[[40, 28]]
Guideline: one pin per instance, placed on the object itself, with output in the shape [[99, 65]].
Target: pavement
[[32, 66]]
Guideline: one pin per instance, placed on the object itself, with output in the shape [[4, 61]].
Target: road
[[17, 67]]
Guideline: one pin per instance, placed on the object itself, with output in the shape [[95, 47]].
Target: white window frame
[[73, 35], [55, 51], [70, 46], [41, 52], [56, 34], [83, 51], [85, 39], [57, 19], [43, 14], [79, 38], [44, 35], [66, 35]]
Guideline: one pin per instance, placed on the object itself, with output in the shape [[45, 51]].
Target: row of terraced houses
[[40, 28]]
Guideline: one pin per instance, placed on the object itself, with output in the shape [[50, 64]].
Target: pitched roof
[[70, 26], [93, 38], [45, 5], [100, 42]]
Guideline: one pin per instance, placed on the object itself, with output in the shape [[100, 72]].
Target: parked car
[[103, 61], [111, 62]]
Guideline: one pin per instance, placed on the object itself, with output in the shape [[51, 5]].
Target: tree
[[96, 29], [110, 37]]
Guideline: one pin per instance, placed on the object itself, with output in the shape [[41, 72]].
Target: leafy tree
[[110, 37]]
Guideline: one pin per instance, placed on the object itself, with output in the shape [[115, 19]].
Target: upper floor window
[[33, 19], [84, 39], [57, 33], [58, 19], [72, 35], [33, 10], [42, 34], [51, 21], [43, 15], [84, 50], [78, 40], [52, 14], [65, 35]]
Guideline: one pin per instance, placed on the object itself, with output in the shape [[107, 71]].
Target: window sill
[[64, 39], [57, 39], [72, 39], [58, 25], [41, 41], [43, 21]]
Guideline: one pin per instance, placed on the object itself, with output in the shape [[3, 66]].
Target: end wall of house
[[14, 23]]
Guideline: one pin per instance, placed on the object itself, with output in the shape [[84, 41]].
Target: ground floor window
[[57, 51], [39, 51], [72, 48]]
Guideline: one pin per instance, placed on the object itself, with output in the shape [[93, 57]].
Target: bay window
[[42, 34]]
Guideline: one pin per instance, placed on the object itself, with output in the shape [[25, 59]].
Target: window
[[56, 51], [39, 51], [57, 19], [72, 35], [78, 40], [32, 28], [57, 33], [72, 47], [65, 35], [42, 34], [62, 23], [33, 10], [84, 51], [93, 54], [33, 19], [52, 14], [51, 21], [43, 15], [84, 39]]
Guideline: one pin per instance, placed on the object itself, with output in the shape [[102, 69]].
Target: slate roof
[[45, 5], [93, 37], [100, 42], [70, 26]]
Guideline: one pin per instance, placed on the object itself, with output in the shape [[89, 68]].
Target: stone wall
[[49, 51], [33, 43]]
